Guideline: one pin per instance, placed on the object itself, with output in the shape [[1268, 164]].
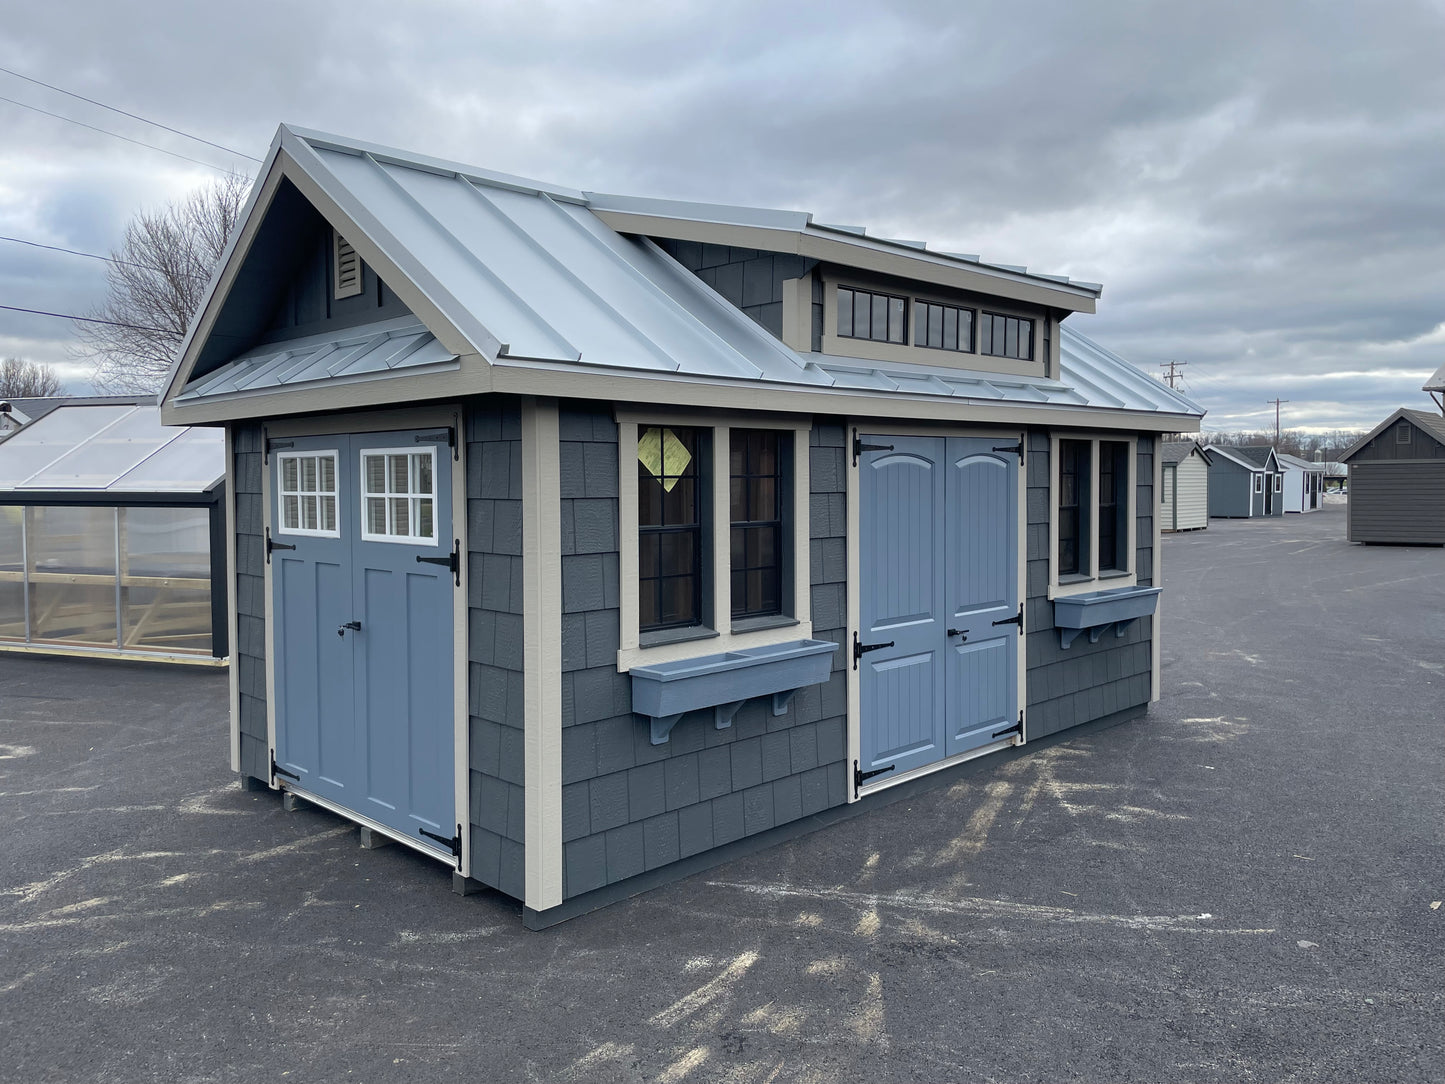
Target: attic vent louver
[[347, 265]]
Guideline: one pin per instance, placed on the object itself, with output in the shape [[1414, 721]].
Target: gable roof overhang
[[1233, 455], [1430, 423]]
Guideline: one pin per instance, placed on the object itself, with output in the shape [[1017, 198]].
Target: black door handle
[[959, 632], [354, 626]]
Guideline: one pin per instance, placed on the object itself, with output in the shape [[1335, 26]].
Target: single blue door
[[938, 553], [363, 606]]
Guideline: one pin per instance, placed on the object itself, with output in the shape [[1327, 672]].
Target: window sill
[[684, 635], [758, 624], [1071, 586]]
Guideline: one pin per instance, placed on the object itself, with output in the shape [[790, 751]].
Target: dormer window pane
[[866, 315], [895, 319]]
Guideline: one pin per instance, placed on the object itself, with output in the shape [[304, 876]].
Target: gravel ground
[[1243, 885]]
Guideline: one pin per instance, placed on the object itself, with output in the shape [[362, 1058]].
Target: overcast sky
[[1260, 186]]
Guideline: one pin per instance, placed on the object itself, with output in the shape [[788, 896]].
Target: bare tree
[[20, 379], [157, 279]]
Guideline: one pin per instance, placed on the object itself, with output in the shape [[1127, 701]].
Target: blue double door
[[939, 599], [363, 581]]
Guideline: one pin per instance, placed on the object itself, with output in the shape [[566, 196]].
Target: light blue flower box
[[1095, 612], [666, 691]]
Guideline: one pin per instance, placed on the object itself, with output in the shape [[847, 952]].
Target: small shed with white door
[[1244, 482], [1184, 490], [1303, 483]]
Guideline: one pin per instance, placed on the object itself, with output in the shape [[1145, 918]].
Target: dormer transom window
[[863, 314]]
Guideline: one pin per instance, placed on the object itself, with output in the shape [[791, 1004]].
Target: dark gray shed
[[581, 538], [1397, 481]]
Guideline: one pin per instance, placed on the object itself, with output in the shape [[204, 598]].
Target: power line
[[77, 252], [86, 319], [133, 116], [1173, 374], [116, 135]]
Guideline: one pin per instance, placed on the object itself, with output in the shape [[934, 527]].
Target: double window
[[863, 314], [720, 536], [398, 497], [1093, 525]]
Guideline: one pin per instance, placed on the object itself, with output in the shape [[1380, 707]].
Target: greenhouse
[[112, 535]]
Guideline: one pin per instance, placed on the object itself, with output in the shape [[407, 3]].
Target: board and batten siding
[[497, 710], [1075, 685], [1190, 493], [1399, 502], [248, 654], [629, 806]]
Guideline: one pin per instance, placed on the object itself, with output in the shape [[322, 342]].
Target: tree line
[[1298, 442]]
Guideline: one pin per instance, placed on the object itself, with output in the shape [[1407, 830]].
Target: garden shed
[[112, 534], [584, 539], [1245, 481], [1184, 489], [1397, 481], [1303, 484]]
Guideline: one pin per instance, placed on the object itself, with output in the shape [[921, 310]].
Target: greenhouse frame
[[113, 536]]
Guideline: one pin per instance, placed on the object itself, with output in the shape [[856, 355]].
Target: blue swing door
[[364, 638], [938, 566]]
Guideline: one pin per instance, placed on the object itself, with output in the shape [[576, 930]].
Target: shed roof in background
[[1177, 451], [107, 446], [1287, 460], [1251, 457], [1433, 424], [530, 277], [1436, 382]]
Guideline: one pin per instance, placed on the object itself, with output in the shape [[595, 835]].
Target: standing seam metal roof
[[529, 274]]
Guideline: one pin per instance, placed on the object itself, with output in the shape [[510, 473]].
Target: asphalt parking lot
[[1243, 885]]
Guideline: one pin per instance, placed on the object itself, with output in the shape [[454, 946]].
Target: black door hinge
[[454, 844], [859, 775], [276, 770], [431, 438], [859, 447], [859, 649], [1016, 619], [1017, 728], [274, 545], [452, 561], [1017, 449]]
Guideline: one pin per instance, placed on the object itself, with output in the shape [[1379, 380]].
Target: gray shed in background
[[112, 533], [1397, 481], [1244, 482]]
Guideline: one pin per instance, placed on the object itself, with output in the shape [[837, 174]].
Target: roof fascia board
[[418, 289], [535, 378], [859, 252], [233, 256], [471, 377]]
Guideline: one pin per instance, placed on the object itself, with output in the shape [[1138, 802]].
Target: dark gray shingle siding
[[1067, 687], [629, 806], [494, 616], [249, 651], [751, 280]]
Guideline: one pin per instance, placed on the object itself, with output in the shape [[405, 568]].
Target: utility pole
[[1276, 403], [1173, 374]]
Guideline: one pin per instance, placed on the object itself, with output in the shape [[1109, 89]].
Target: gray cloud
[[1261, 187]]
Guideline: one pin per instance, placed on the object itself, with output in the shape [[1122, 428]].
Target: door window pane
[[399, 496], [308, 494]]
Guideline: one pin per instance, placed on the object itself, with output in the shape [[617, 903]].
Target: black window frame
[[746, 477], [923, 330], [698, 468], [1075, 472], [871, 311], [988, 333]]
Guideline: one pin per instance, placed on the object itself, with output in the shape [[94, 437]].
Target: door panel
[[366, 713], [938, 563], [902, 527]]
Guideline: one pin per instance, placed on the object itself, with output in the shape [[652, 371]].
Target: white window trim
[[1094, 581], [282, 493], [1259, 483], [721, 637], [399, 539], [1278, 482]]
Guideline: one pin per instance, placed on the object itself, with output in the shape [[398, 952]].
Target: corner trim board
[[542, 651]]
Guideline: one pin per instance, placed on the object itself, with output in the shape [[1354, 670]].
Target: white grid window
[[398, 496], [308, 494]]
